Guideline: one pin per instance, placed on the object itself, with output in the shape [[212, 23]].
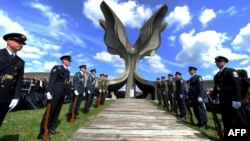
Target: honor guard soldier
[[179, 93], [11, 73], [105, 91], [101, 85], [159, 95], [228, 86], [57, 89], [196, 95], [79, 91], [170, 91], [90, 90], [163, 92]]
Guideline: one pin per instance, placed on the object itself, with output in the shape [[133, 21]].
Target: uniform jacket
[[179, 83], [170, 88], [58, 80], [91, 84], [79, 83], [227, 84], [195, 87], [101, 85], [11, 76]]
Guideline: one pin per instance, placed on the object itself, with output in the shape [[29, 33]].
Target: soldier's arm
[[215, 91], [52, 78], [166, 86], [19, 84], [75, 81], [236, 84], [200, 87]]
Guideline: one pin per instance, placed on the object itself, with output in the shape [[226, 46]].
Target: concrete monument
[[117, 42]]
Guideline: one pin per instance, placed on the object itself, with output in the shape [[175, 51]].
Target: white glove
[[100, 90], [164, 93], [181, 96], [200, 99], [88, 91], [236, 104], [49, 97], [76, 92], [13, 104], [84, 93], [104, 91]]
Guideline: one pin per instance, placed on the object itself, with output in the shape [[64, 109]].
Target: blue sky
[[197, 32]]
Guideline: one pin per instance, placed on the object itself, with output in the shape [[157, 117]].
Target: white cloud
[[7, 22], [207, 77], [172, 40], [231, 11], [114, 60], [81, 59], [179, 17], [37, 62], [203, 47], [244, 62], [131, 13], [47, 66], [156, 64], [242, 40], [57, 24], [206, 16], [29, 52], [55, 20]]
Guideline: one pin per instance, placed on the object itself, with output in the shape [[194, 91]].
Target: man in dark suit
[[79, 90], [90, 90], [196, 95], [228, 86], [11, 73], [179, 93], [57, 89]]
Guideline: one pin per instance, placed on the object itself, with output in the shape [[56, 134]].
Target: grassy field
[[24, 125], [210, 132]]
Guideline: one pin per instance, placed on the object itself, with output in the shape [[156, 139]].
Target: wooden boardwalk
[[136, 120]]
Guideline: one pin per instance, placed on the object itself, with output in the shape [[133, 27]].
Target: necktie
[[12, 56]]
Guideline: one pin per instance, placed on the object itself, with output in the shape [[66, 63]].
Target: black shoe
[[198, 124], [53, 131], [40, 136], [204, 127], [183, 117]]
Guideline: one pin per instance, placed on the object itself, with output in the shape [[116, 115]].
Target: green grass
[[24, 125], [210, 132]]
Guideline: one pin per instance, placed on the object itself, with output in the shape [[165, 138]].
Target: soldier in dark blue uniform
[[196, 95], [90, 90], [179, 93], [11, 73], [57, 89], [79, 90], [228, 86]]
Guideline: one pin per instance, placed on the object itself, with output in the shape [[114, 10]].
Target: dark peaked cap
[[170, 75], [18, 37], [66, 57], [177, 73], [221, 58], [191, 68], [93, 70], [83, 66]]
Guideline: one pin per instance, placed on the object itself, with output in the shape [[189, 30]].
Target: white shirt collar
[[65, 66], [222, 68], [10, 53], [81, 72]]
